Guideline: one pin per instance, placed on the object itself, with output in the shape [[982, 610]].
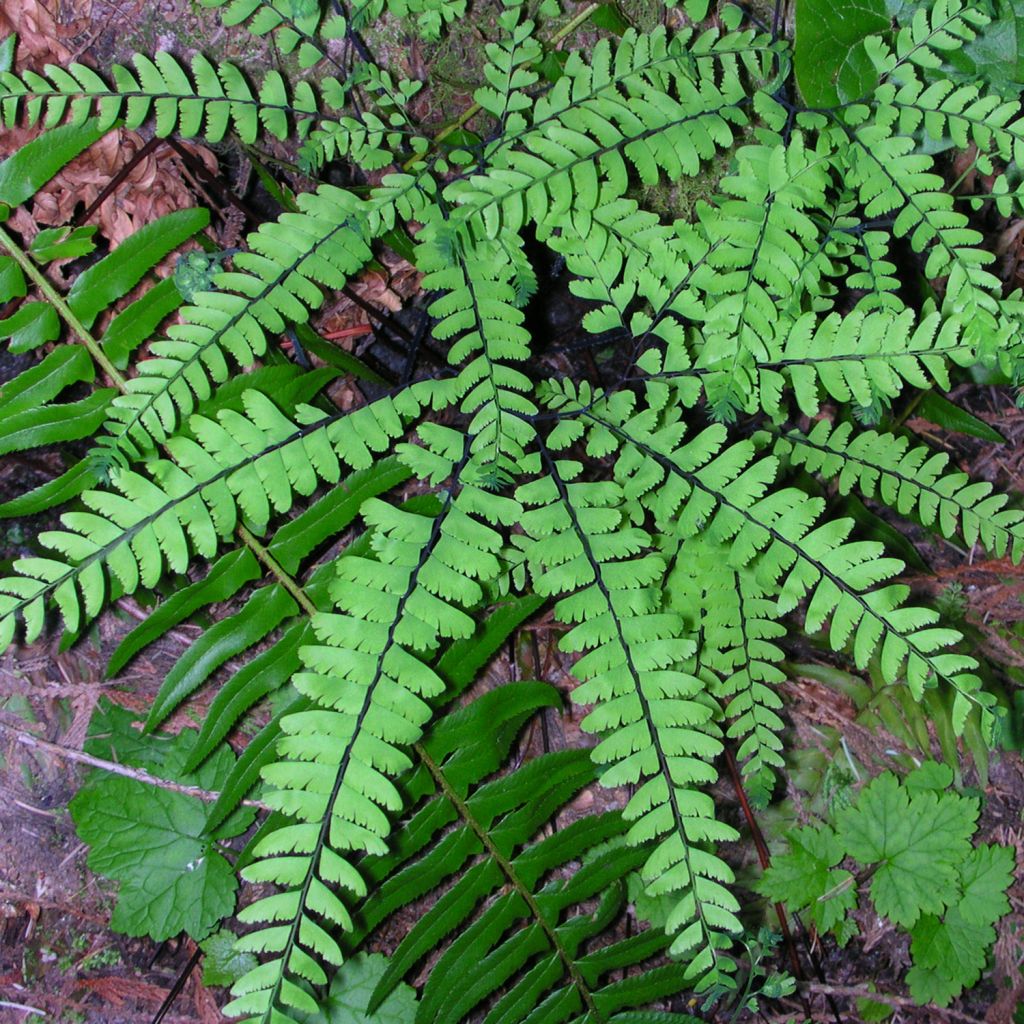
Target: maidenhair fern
[[665, 498]]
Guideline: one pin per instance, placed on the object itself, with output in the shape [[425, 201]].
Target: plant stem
[[85, 336], [764, 858], [40, 280], [276, 570], [509, 871], [571, 26]]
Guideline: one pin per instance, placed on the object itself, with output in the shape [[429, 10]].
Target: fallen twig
[[26, 739], [23, 1007], [897, 1002]]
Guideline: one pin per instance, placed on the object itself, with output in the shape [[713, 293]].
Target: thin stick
[[179, 984], [348, 332], [36, 276], [23, 1007], [26, 739], [898, 1002], [140, 154]]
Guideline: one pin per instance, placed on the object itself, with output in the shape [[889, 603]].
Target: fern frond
[[912, 480], [628, 259], [622, 255], [267, 610], [933, 32], [209, 102], [376, 134], [674, 556], [295, 24], [736, 622], [149, 521], [654, 721], [963, 113], [825, 259], [29, 415], [458, 666], [856, 358], [479, 306], [890, 176], [762, 230], [597, 119], [431, 17], [370, 682], [798, 554], [509, 73], [460, 750], [279, 281], [874, 270]]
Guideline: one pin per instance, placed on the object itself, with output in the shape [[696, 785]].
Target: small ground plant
[[667, 496]]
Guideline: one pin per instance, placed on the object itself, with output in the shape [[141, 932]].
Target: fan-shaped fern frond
[[629, 259], [673, 552]]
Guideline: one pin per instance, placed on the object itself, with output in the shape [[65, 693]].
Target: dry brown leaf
[[36, 30], [155, 185], [390, 288]]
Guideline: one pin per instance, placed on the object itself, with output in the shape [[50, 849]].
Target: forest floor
[[59, 960]]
